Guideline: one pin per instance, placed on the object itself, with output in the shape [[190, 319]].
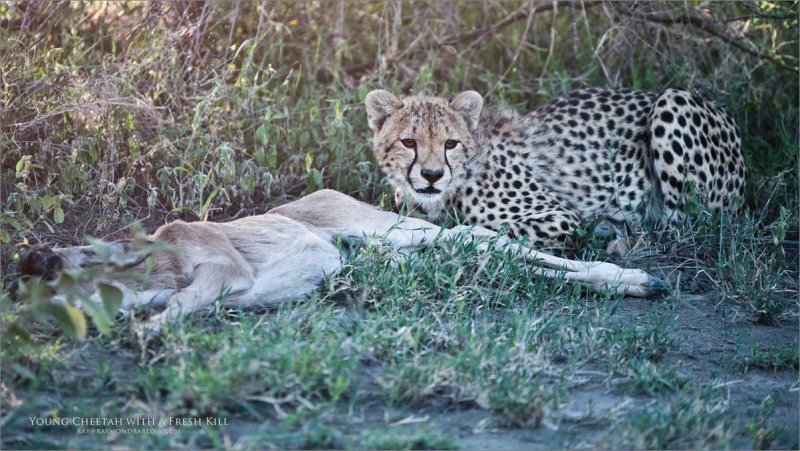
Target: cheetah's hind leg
[[696, 155]]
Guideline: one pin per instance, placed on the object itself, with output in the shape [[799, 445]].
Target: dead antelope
[[284, 254]]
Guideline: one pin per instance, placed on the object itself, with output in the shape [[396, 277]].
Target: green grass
[[688, 421], [773, 360], [413, 441], [116, 113]]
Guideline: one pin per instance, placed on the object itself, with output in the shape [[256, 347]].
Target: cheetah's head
[[423, 144]]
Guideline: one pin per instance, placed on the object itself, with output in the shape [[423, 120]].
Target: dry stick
[[516, 53], [552, 41], [394, 35], [599, 58], [518, 15], [709, 28], [231, 30], [388, 59], [598, 46], [339, 30], [756, 11]]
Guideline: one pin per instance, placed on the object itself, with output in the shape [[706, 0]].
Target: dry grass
[[152, 107]]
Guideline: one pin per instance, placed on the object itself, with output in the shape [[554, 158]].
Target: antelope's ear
[[469, 104], [380, 105]]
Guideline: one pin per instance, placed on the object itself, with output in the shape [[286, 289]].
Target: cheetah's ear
[[469, 104], [380, 105]]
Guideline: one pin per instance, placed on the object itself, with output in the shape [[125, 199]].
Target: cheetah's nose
[[432, 175]]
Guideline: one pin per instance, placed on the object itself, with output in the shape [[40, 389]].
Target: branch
[[708, 27], [520, 14]]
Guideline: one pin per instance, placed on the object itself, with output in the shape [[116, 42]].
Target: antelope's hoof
[[656, 286]]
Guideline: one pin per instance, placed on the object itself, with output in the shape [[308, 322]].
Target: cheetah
[[608, 155]]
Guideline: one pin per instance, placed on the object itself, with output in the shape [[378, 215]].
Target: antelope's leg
[[208, 283], [605, 283], [409, 232], [600, 276], [548, 260], [400, 231], [134, 298], [345, 216]]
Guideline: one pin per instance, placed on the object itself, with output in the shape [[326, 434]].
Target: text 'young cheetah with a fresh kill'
[[617, 155]]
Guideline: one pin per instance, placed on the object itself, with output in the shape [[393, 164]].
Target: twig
[[516, 16], [708, 27], [552, 41], [523, 38]]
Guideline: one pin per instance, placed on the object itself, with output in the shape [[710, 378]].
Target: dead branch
[[706, 25], [520, 14]]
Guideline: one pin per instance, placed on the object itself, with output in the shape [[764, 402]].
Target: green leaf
[[48, 201], [98, 314], [317, 175], [58, 215], [16, 332], [112, 298], [207, 204], [101, 249], [68, 281], [69, 318], [7, 219], [22, 371], [261, 134], [199, 111], [37, 293]]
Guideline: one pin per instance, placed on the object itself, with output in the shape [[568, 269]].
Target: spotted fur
[[616, 154]]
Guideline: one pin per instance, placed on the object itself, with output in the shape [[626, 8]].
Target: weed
[[687, 421], [785, 358], [431, 440], [645, 377]]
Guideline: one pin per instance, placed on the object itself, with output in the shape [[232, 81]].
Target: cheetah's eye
[[410, 143], [450, 144]]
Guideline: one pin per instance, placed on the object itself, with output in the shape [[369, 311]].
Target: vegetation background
[[116, 112]]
